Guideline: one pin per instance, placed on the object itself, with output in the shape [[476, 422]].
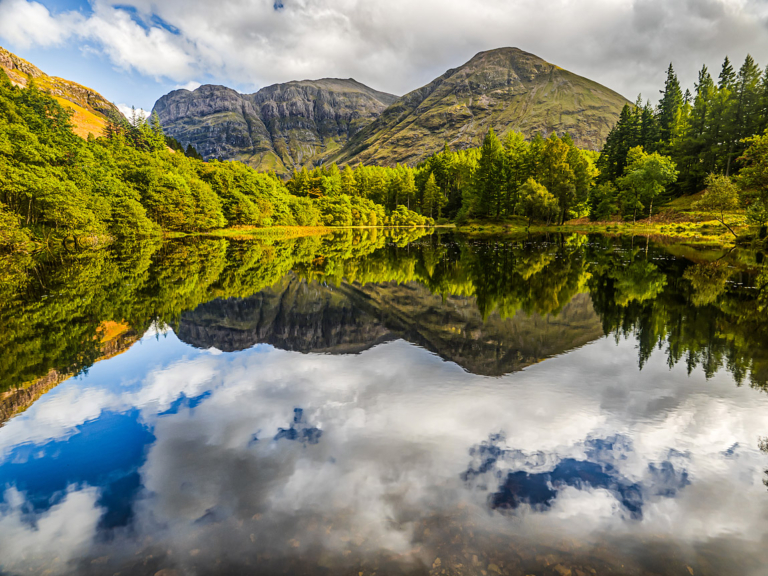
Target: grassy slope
[[84, 121], [506, 89], [88, 106]]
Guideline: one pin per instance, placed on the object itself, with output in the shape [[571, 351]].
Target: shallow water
[[389, 405]]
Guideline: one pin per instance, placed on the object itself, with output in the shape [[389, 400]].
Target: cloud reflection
[[296, 460]]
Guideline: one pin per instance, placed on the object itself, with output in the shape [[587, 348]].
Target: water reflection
[[290, 421]]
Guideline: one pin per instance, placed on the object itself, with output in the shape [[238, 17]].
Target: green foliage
[[136, 182], [537, 202], [603, 201], [720, 197], [753, 179], [11, 232], [704, 133], [645, 178]]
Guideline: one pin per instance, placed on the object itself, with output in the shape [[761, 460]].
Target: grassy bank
[[677, 221], [272, 232]]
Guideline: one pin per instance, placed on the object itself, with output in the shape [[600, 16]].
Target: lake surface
[[385, 403]]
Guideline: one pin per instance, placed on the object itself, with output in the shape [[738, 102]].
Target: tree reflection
[[61, 312]]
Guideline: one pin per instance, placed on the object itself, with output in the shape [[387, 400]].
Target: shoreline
[[709, 233]]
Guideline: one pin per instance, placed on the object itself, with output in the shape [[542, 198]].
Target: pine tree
[[650, 132], [762, 123], [671, 101], [490, 176], [430, 203], [744, 112], [727, 75], [348, 181]]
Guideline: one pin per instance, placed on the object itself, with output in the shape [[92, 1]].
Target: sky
[[134, 51]]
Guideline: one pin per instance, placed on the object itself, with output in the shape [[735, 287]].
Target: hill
[[278, 128], [90, 109], [506, 89]]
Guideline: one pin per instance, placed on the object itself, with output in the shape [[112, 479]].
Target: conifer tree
[[727, 75], [671, 101], [743, 114], [490, 176]]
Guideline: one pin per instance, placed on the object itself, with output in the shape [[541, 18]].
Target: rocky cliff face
[[279, 128], [291, 316], [351, 318], [506, 89]]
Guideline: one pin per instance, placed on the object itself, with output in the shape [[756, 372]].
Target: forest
[[134, 181], [58, 309], [713, 138], [130, 182]]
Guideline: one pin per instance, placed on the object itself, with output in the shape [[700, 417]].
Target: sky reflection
[[173, 457]]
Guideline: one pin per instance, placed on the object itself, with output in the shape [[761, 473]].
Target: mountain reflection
[[377, 403], [493, 306]]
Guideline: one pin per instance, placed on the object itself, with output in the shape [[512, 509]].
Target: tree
[[490, 176], [348, 181], [537, 202], [727, 75], [432, 201], [720, 197], [742, 119], [671, 101], [557, 174], [646, 177], [516, 151], [603, 201], [753, 179]]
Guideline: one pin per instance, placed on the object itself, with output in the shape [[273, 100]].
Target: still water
[[385, 404]]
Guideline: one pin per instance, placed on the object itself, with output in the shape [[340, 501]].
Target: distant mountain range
[[287, 126], [305, 123], [90, 109], [505, 89], [279, 127]]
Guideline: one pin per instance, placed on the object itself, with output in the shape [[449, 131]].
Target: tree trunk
[[722, 221], [728, 164]]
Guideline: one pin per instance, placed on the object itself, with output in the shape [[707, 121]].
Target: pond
[[385, 403]]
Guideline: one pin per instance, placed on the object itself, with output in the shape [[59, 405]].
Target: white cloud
[[60, 534], [396, 437], [31, 24], [191, 85], [400, 45], [127, 110]]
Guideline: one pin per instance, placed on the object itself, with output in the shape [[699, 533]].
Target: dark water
[[385, 404]]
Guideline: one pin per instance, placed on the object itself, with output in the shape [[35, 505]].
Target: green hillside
[[506, 89]]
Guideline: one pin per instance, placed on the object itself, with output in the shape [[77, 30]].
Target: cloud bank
[[398, 45]]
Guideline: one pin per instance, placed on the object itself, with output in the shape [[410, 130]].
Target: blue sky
[[134, 51]]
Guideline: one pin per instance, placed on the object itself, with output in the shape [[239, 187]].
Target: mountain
[[506, 89], [350, 318], [280, 127], [90, 109]]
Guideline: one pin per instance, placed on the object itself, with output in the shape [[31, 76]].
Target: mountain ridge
[[505, 88], [280, 127]]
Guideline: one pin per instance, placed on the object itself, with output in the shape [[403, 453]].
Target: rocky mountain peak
[[280, 127]]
